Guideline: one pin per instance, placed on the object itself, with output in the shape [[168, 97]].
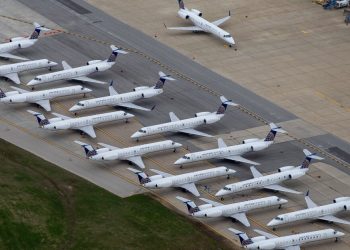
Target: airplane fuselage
[[178, 125], [44, 94], [294, 240], [125, 153], [178, 180], [76, 123], [72, 73], [17, 44], [24, 66], [206, 25], [114, 100], [230, 209]]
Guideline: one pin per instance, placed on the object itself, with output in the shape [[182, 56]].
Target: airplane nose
[[74, 108], [179, 161], [340, 234], [272, 223], [283, 200], [220, 193], [135, 135], [32, 82], [178, 144]]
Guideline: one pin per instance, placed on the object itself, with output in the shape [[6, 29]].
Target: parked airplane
[[289, 242], [11, 71], [271, 181], [186, 125], [42, 97], [125, 99], [186, 181], [236, 211], [80, 73], [20, 43], [195, 16], [132, 154], [84, 124], [324, 212], [233, 152]]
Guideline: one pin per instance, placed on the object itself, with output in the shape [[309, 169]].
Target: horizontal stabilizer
[[165, 77], [20, 90], [274, 127], [160, 173], [311, 155], [221, 21], [110, 147], [227, 102], [63, 117], [214, 203], [267, 235]]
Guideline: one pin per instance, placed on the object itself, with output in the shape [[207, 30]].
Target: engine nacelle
[[197, 12], [250, 140], [140, 88], [93, 62], [258, 238], [205, 206], [183, 15], [340, 199], [155, 177], [102, 150], [266, 245], [202, 114], [11, 93], [16, 39], [213, 214], [286, 168], [295, 175]]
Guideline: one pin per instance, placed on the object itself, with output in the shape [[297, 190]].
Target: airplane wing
[[89, 130], [263, 233], [292, 248], [214, 203], [189, 28], [221, 143], [88, 79], [132, 106], [332, 218], [255, 172], [110, 147], [65, 65], [161, 173], [241, 159], [191, 187], [8, 55], [281, 189], [61, 116], [309, 202], [241, 217], [192, 131], [137, 160], [173, 117], [45, 104], [19, 90], [221, 21], [13, 77]]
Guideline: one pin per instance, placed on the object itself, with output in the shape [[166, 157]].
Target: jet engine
[[250, 140], [340, 199], [205, 206], [10, 93], [197, 12], [102, 150], [16, 39], [202, 114], [295, 175], [258, 238], [286, 168], [212, 214], [93, 62], [140, 88], [183, 15], [266, 245]]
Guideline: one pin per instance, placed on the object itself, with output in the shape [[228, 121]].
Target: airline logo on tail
[[272, 134], [162, 78], [181, 4], [2, 94], [115, 52], [309, 157], [224, 104]]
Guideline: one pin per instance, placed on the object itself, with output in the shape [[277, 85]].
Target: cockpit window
[[37, 78], [142, 131], [80, 104], [227, 36], [186, 157], [226, 188], [278, 218]]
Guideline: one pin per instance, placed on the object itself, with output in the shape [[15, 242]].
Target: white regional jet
[[289, 242], [132, 154], [186, 181], [11, 71], [80, 73], [42, 97], [271, 181], [203, 25], [20, 43], [84, 124], [186, 125], [324, 212], [233, 152], [125, 99], [236, 211]]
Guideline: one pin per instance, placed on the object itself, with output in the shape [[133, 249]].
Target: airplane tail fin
[[36, 32], [115, 52], [308, 158], [89, 150], [272, 134], [143, 177], [224, 103], [2, 94], [181, 4], [162, 78], [42, 120], [243, 237], [191, 206]]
